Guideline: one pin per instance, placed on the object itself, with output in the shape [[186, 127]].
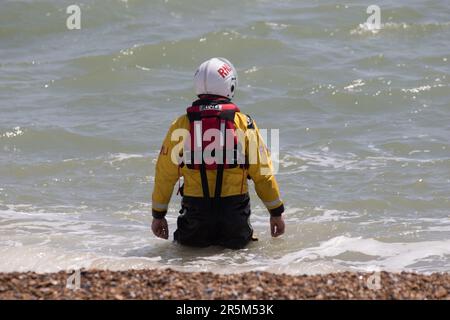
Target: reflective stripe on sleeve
[[274, 203], [160, 206]]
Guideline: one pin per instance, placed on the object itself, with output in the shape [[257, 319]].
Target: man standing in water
[[216, 205]]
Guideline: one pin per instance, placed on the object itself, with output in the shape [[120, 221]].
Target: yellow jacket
[[234, 179]]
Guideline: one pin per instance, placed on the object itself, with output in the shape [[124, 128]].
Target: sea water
[[363, 115]]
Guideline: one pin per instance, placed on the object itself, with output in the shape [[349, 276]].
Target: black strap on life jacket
[[204, 178], [227, 115]]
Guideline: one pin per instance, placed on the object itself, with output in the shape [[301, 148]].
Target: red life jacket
[[217, 115], [221, 143]]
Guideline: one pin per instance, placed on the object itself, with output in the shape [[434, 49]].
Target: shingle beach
[[170, 284]]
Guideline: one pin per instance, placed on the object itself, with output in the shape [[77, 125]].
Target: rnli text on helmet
[[224, 70]]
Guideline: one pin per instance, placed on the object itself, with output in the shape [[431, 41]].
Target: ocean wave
[[368, 29], [16, 131], [385, 256], [303, 160], [330, 215], [276, 26], [336, 254], [423, 88], [66, 238], [45, 260], [355, 83], [385, 155], [173, 53], [119, 157], [46, 139]]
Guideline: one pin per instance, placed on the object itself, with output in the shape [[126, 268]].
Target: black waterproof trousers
[[223, 221]]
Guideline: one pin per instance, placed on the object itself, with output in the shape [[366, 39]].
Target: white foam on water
[[367, 28], [423, 88], [323, 258], [443, 228], [276, 26], [330, 160], [328, 215], [34, 239], [387, 256], [401, 159], [251, 70], [355, 84], [118, 157], [326, 159], [46, 259], [17, 131]]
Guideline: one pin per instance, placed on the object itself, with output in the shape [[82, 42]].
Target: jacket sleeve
[[166, 174], [261, 171]]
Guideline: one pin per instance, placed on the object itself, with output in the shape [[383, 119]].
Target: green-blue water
[[364, 121]]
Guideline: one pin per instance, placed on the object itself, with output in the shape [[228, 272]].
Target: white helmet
[[216, 76]]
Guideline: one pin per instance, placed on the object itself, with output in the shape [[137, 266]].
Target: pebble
[[170, 284]]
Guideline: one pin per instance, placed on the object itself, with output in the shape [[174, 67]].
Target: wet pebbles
[[170, 284]]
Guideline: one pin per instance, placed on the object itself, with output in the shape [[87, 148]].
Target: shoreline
[[170, 284]]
